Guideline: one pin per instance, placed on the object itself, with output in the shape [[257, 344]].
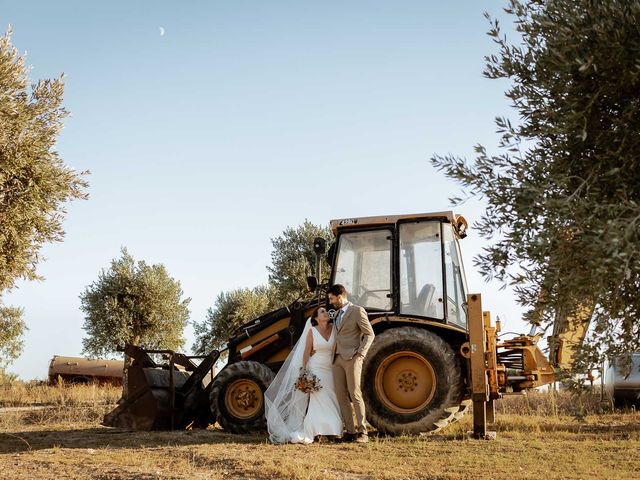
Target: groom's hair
[[337, 289]]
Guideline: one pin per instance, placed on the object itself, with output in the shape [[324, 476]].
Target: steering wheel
[[365, 293]]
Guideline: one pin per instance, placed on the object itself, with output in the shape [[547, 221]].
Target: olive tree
[[231, 310], [35, 183], [132, 302], [292, 260], [563, 195], [12, 328]]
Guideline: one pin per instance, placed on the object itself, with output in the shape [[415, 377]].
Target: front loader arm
[[569, 329]]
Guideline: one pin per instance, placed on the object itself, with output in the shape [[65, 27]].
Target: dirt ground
[[53, 444]]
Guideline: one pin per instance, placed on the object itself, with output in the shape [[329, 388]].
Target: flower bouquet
[[307, 382]]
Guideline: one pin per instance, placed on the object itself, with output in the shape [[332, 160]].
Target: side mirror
[[312, 283], [319, 245]]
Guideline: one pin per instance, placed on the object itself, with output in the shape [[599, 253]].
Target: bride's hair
[[314, 315]]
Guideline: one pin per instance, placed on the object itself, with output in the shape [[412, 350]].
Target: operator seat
[[424, 299]]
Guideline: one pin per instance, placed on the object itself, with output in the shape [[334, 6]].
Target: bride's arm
[[307, 349]]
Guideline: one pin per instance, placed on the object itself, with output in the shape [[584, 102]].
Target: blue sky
[[244, 118]]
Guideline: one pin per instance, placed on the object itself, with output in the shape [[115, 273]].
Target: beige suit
[[354, 335]]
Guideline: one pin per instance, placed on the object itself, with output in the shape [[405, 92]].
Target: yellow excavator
[[436, 351]]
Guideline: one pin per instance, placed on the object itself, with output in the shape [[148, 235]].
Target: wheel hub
[[246, 399], [408, 380], [243, 398], [405, 382]]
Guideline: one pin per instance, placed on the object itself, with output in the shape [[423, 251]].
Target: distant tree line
[[133, 302]]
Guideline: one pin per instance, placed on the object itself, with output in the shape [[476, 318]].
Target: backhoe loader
[[436, 351]]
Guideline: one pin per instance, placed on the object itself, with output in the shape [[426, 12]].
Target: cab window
[[363, 266], [421, 291]]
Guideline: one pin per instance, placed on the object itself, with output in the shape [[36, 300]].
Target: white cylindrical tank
[[623, 389]]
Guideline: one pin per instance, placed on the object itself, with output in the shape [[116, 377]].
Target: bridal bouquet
[[307, 382]]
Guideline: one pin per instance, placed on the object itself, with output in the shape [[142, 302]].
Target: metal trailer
[[85, 370], [622, 388]]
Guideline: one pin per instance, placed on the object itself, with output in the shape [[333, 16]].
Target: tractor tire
[[412, 382], [464, 407], [237, 396]]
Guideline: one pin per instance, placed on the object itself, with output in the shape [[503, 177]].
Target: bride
[[297, 417]]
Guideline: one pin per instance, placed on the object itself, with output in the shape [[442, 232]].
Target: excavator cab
[[411, 266]]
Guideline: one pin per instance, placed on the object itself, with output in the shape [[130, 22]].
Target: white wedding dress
[[323, 415], [296, 417]]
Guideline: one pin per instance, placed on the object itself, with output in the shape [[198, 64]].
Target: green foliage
[[12, 328], [292, 261], [230, 311], [563, 197], [34, 182], [133, 302]]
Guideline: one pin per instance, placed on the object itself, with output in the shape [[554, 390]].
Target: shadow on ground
[[103, 437]]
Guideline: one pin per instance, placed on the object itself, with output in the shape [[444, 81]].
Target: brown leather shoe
[[349, 437], [362, 438]]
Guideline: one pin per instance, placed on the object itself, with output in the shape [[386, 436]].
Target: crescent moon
[[162, 31]]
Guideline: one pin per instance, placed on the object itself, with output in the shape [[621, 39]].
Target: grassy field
[[538, 437]]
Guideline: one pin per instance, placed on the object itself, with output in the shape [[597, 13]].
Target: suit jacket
[[354, 335]]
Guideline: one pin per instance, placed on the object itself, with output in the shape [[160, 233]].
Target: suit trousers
[[347, 376]]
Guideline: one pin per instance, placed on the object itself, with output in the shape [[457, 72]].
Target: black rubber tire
[[448, 390], [258, 373]]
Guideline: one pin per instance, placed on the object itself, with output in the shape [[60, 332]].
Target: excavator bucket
[[163, 396]]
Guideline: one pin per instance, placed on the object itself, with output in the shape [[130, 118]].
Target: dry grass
[[67, 442], [37, 403], [554, 403], [19, 394]]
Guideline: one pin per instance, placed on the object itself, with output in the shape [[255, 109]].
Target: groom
[[354, 336]]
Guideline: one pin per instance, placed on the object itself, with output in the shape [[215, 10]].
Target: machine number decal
[[349, 221]]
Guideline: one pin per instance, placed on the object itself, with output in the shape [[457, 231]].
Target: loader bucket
[[163, 397]]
